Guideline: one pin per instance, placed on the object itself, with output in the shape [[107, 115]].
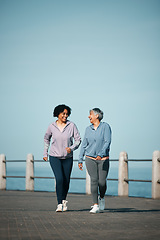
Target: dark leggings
[[98, 171], [62, 170]]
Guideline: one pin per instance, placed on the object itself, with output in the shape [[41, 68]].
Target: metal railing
[[137, 180], [82, 178], [43, 177], [123, 179]]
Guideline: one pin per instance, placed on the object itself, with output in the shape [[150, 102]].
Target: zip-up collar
[[97, 127], [55, 124]]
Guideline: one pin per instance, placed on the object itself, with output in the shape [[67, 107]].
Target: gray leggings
[[98, 171]]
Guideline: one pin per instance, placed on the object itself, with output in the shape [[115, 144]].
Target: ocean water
[[42, 169]]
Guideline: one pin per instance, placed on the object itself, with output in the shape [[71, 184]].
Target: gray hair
[[99, 112]]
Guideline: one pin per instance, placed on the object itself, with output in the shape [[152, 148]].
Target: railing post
[[2, 172], [30, 173], [156, 175], [88, 183], [123, 174]]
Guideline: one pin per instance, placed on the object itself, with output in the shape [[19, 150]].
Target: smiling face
[[92, 117], [63, 116]]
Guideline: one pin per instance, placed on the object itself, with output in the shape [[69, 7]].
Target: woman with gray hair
[[95, 147]]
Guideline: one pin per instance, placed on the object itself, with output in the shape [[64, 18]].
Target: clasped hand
[[80, 165]]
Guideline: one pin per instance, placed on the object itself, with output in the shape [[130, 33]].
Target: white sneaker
[[95, 209], [64, 203], [101, 202], [59, 208]]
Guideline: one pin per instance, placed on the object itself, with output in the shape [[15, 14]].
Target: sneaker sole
[[94, 212]]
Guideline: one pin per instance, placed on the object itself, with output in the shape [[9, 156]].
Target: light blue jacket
[[96, 142]]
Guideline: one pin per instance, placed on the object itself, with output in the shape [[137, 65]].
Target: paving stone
[[31, 215]]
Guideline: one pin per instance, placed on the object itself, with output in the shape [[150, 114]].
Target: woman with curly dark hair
[[61, 133]]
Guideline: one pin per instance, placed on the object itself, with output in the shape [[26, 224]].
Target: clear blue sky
[[85, 54]]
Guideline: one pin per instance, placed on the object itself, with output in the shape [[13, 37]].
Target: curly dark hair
[[60, 108]]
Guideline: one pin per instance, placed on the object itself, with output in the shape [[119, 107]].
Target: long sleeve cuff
[[80, 160]]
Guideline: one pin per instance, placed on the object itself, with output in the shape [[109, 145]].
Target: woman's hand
[[98, 158], [45, 158], [68, 150], [80, 165]]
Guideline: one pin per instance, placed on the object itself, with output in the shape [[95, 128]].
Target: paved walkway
[[31, 215]]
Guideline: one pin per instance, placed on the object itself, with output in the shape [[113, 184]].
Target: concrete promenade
[[31, 215]]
